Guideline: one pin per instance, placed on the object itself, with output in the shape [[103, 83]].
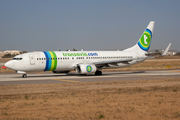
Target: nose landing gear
[[22, 72], [24, 76]]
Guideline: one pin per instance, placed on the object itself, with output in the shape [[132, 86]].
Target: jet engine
[[86, 68]]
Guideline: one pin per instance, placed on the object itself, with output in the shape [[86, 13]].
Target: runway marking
[[66, 80]]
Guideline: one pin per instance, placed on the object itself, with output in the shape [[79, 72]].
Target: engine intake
[[86, 68]]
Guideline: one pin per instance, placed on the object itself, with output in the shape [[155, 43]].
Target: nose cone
[[9, 64], [6, 64]]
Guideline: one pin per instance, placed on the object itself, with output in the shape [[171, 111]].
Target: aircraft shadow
[[75, 74]]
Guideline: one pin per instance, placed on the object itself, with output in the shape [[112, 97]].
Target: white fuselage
[[67, 60]]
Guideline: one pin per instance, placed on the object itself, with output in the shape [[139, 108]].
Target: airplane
[[84, 62]]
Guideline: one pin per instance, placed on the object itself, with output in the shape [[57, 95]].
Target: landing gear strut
[[98, 73], [24, 76]]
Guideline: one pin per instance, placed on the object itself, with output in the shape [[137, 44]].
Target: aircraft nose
[[8, 64]]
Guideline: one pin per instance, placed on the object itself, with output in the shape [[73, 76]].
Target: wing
[[158, 53], [115, 62]]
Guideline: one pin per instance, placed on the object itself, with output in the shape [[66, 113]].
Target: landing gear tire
[[24, 76], [98, 73]]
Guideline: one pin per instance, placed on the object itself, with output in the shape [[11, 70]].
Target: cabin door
[[32, 59]]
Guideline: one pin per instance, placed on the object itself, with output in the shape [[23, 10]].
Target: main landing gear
[[24, 76], [98, 73]]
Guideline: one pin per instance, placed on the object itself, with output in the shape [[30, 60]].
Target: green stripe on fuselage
[[54, 61]]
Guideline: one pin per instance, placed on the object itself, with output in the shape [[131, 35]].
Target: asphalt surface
[[1, 64], [49, 78]]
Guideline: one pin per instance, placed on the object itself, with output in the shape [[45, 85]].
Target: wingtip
[[166, 50]]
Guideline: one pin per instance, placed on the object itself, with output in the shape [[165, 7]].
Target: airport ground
[[149, 90]]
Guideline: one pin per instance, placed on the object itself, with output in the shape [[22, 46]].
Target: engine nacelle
[[86, 68]]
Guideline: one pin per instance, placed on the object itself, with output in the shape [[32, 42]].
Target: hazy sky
[[86, 24]]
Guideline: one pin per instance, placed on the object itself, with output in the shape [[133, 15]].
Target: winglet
[[165, 52]]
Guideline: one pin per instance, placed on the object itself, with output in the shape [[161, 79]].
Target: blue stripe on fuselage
[[47, 63]]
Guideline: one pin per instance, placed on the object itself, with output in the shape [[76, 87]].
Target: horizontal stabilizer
[[152, 53]]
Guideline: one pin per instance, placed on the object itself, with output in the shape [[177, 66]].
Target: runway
[[49, 78], [1, 64]]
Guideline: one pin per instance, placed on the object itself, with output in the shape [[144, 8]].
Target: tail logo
[[145, 40]]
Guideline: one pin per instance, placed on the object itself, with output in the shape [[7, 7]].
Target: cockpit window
[[17, 59]]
